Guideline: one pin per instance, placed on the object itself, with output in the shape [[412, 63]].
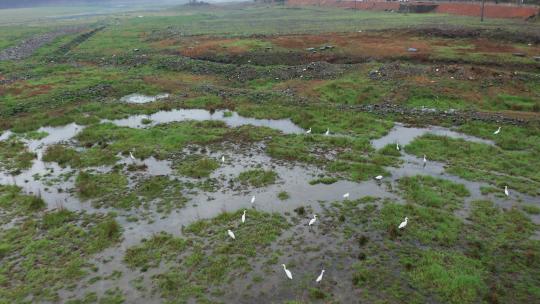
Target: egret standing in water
[[346, 195], [231, 234], [223, 159], [379, 177], [313, 220], [319, 278], [425, 160], [397, 146], [498, 131], [287, 272], [308, 131], [253, 199], [131, 156], [404, 223], [244, 217], [327, 132], [506, 190]]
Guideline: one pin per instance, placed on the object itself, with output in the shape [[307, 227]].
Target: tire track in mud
[[28, 46]]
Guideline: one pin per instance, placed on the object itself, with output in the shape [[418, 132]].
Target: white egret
[[313, 220], [397, 146], [131, 156], [319, 278], [378, 177], [346, 195], [287, 271], [404, 223], [308, 131], [253, 199], [231, 234], [223, 159], [244, 217], [327, 132], [497, 131], [506, 190]]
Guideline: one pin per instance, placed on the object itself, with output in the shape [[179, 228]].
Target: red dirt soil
[[466, 9]]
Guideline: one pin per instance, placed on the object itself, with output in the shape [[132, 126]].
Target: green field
[[135, 138]]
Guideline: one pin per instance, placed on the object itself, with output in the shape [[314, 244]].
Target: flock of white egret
[[312, 221]]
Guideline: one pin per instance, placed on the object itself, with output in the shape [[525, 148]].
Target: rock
[[536, 58], [519, 54], [310, 49], [413, 50]]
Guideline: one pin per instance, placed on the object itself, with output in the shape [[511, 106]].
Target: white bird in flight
[[231, 234], [253, 199], [319, 278], [397, 146], [378, 177], [287, 271], [404, 223], [244, 217], [506, 190], [346, 195], [313, 220], [308, 131], [498, 131], [327, 132]]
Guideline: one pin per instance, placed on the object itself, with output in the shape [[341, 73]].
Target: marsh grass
[[197, 166], [258, 178], [433, 192]]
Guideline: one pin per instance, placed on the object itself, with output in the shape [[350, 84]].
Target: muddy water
[[234, 120], [405, 135], [293, 178], [139, 98]]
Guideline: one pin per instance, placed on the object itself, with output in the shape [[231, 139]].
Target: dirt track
[[27, 47]]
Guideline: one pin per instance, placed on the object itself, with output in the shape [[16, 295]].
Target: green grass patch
[[197, 166], [433, 192], [258, 178]]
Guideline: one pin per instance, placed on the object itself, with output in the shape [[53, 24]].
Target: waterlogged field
[[135, 144]]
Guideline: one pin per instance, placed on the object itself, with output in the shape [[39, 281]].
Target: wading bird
[[244, 217], [327, 132], [131, 156], [397, 146], [308, 131], [498, 131], [506, 190], [346, 195], [253, 199], [223, 159], [287, 272], [404, 223], [313, 220], [425, 160], [319, 278], [231, 234], [378, 177]]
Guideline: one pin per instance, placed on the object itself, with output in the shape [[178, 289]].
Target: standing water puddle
[[139, 98], [405, 135]]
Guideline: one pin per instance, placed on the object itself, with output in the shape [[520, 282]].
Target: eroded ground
[[131, 146]]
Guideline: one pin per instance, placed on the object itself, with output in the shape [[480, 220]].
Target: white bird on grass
[[287, 271], [404, 223], [425, 160], [308, 131], [319, 278], [497, 131], [131, 156], [231, 234], [378, 177], [313, 220], [506, 190], [253, 199], [327, 132], [397, 146], [244, 217], [346, 195]]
